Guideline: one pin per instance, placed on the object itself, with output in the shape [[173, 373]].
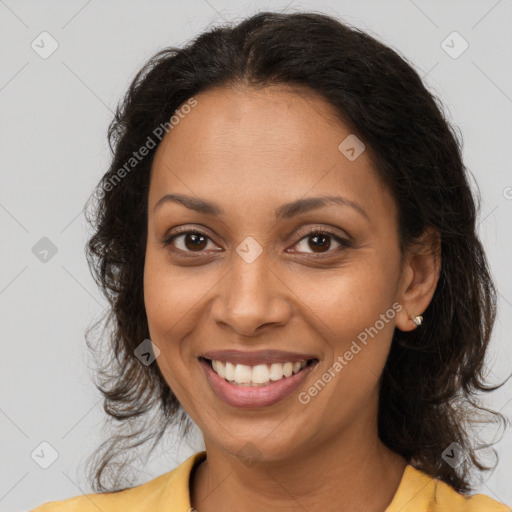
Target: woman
[[287, 238]]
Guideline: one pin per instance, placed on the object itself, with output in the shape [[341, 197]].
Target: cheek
[[173, 298], [353, 313], [168, 311], [349, 299], [357, 345], [169, 297]]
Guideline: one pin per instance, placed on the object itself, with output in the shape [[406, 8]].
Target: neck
[[345, 473]]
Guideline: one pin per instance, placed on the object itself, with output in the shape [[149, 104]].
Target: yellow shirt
[[417, 492]]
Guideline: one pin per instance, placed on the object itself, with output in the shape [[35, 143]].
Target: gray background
[[54, 116]]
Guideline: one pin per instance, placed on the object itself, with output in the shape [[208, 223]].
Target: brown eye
[[195, 241], [321, 242], [189, 241]]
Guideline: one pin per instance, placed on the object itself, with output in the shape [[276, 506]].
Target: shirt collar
[[416, 491], [413, 491], [176, 493]]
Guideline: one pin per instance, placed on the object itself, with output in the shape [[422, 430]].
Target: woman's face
[[249, 280]]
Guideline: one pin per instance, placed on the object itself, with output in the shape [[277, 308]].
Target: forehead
[[262, 144], [279, 117]]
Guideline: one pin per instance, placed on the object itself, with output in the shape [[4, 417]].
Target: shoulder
[[449, 497], [419, 491], [158, 495]]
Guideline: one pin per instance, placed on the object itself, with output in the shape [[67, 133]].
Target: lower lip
[[254, 396]]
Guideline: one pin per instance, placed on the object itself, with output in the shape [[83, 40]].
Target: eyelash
[[344, 243]]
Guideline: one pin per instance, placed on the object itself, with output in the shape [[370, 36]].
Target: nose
[[252, 298]]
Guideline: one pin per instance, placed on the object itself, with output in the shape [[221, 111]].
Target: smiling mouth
[[257, 375]]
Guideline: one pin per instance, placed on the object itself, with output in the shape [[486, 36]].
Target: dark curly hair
[[429, 386]]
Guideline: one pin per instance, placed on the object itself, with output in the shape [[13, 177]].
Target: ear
[[420, 274]]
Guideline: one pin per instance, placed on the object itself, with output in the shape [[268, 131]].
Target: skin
[[250, 151]]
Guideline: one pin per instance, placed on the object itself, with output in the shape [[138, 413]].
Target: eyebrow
[[285, 211]]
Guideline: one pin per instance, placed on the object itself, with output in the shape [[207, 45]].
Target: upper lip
[[255, 357]]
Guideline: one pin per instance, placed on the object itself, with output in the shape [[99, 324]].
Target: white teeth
[[221, 369], [288, 369], [260, 374], [230, 371], [243, 373], [276, 371]]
